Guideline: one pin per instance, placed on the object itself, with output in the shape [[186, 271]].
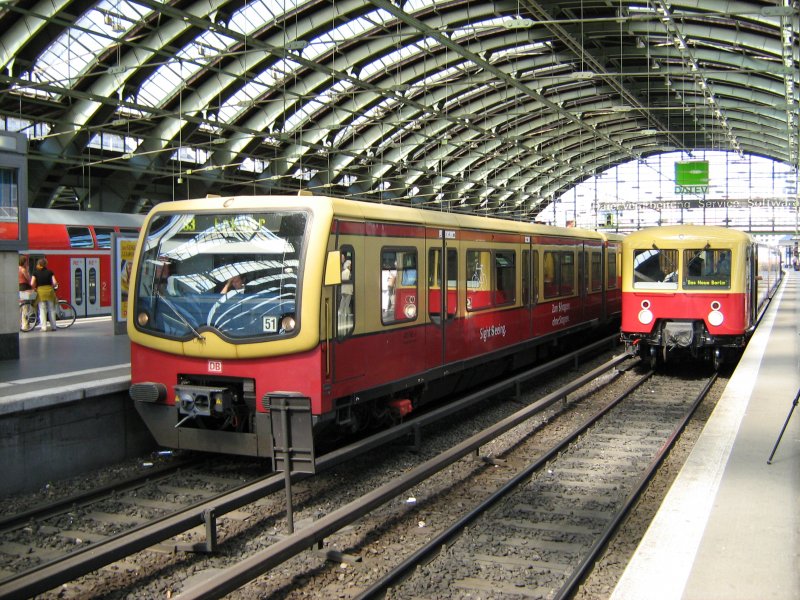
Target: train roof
[[686, 235], [52, 216], [381, 212]]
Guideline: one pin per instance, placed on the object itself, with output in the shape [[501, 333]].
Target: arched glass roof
[[455, 105]]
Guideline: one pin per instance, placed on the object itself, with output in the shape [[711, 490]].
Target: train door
[[85, 286], [583, 284], [530, 282], [442, 291], [347, 312]]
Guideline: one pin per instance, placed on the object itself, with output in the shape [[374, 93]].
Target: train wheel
[[717, 359], [653, 357]]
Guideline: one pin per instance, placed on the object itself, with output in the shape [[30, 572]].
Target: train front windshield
[[236, 274]]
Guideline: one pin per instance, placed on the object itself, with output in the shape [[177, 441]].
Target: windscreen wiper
[[183, 319]]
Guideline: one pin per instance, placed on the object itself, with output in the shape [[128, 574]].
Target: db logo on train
[[215, 366]]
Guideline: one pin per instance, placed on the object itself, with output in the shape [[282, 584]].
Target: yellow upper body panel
[[681, 238], [322, 210]]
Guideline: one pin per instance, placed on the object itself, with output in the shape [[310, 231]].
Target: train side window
[[549, 273], [80, 237], [103, 236], [566, 285], [655, 268], [505, 277], [399, 285], [479, 285], [596, 275], [559, 273], [346, 310], [611, 272]]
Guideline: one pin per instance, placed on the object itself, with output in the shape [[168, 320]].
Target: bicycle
[[29, 315]]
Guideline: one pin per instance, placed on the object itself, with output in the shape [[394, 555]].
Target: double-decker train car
[[367, 310], [694, 288], [77, 246]]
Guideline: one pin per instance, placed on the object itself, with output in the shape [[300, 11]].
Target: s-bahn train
[[77, 246], [693, 288], [367, 310]]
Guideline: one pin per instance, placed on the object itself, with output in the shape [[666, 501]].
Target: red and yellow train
[[694, 288], [77, 246], [368, 310]]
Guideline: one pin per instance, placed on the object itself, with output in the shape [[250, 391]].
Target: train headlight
[[288, 324], [142, 319], [645, 315], [410, 311], [715, 317]]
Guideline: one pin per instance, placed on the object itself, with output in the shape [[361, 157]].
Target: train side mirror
[[333, 268]]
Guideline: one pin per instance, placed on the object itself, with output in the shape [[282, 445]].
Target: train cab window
[[103, 236], [435, 296], [611, 271], [80, 237], [346, 301], [505, 277], [399, 285], [596, 275], [559, 274], [655, 268], [707, 268]]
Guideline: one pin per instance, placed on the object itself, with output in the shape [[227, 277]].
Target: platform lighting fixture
[[778, 11], [518, 23], [297, 45]]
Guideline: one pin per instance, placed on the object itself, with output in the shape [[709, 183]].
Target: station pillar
[[9, 306]]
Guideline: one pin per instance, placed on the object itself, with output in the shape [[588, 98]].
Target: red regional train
[[77, 246], [694, 289], [367, 310]]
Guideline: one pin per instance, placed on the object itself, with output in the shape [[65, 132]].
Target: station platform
[[64, 366], [64, 406], [729, 528]]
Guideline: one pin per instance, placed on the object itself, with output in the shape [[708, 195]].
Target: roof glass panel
[[364, 119], [168, 79], [388, 61], [78, 47], [345, 32], [273, 78], [329, 96]]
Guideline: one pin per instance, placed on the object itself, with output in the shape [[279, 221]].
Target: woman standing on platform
[[24, 274], [44, 281]]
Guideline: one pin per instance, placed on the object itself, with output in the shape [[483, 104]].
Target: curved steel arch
[[546, 94]]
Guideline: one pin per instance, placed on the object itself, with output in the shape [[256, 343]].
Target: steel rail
[[45, 511]]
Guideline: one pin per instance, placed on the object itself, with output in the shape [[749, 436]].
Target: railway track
[[32, 566], [51, 533], [541, 531]]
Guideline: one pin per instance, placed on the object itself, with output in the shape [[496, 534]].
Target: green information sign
[[691, 177]]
